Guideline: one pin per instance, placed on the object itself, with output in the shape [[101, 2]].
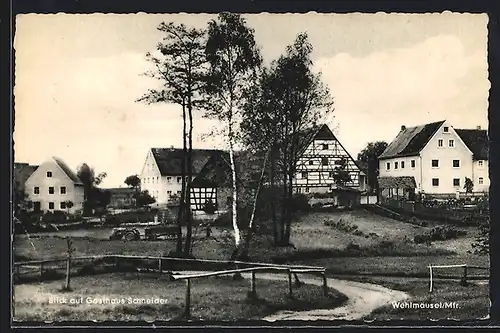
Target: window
[[395, 165], [388, 166], [451, 143], [179, 179], [456, 163], [412, 163], [179, 192], [51, 190], [169, 179], [435, 163], [480, 163], [480, 180], [325, 147], [63, 189], [62, 205], [456, 181], [36, 190], [304, 175], [440, 143], [49, 174], [51, 205], [299, 190], [446, 129], [169, 192], [435, 181], [324, 161], [311, 162], [307, 189]]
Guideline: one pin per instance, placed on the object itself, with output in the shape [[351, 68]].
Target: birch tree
[[233, 59], [181, 69]]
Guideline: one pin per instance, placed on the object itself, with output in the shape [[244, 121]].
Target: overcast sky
[[78, 76]]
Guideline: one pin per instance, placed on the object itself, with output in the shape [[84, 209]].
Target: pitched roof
[[477, 141], [21, 173], [169, 160], [67, 170], [397, 182], [411, 140]]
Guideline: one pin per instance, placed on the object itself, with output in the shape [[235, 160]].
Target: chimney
[[478, 127], [403, 127]]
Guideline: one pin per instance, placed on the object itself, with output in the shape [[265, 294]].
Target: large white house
[[52, 185], [436, 158], [161, 174], [321, 155]]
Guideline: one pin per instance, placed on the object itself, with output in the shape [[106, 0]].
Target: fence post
[[41, 272], [463, 282], [430, 278], [290, 291], [159, 267], [68, 264], [325, 284], [187, 311], [253, 291]]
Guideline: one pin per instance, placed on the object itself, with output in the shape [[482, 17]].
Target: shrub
[[56, 216], [439, 233], [300, 203], [209, 207]]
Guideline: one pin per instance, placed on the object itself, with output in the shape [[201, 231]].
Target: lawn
[[120, 295], [472, 301], [382, 246]]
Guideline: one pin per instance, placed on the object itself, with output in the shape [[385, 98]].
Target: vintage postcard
[[174, 168]]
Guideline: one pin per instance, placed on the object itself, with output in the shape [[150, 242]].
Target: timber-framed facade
[[322, 156]]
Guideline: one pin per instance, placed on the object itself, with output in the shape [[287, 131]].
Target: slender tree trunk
[[291, 172], [182, 198], [274, 198], [250, 231], [189, 216], [237, 236], [285, 202]]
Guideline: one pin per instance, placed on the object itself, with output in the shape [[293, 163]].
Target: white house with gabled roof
[[437, 157]]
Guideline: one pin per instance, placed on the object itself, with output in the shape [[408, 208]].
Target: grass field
[[472, 301], [217, 298]]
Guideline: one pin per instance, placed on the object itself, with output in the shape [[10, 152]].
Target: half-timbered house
[[324, 164]]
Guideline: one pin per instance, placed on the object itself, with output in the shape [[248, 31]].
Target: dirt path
[[364, 298]]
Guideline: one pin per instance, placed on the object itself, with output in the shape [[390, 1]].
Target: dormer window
[[446, 129]]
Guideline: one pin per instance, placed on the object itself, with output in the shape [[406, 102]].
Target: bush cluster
[[348, 228], [439, 233]]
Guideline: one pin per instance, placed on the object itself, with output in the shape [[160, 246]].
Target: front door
[[36, 206]]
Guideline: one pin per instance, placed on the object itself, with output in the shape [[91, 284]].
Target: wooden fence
[[253, 271], [463, 280], [41, 265]]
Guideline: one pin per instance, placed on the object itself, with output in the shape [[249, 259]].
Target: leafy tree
[[234, 60], [143, 198], [341, 175], [468, 185], [369, 155], [133, 181], [68, 204], [181, 70], [90, 181], [302, 99]]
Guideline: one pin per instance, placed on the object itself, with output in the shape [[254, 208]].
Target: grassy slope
[[218, 298]]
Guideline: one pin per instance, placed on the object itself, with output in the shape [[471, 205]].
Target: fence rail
[[463, 280], [38, 265], [253, 271]]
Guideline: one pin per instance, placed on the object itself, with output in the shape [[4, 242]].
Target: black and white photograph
[[227, 167]]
